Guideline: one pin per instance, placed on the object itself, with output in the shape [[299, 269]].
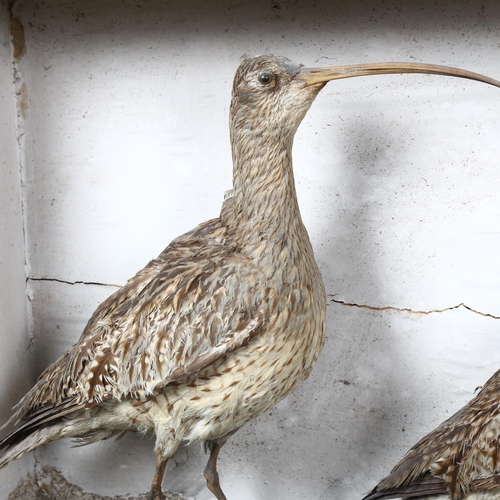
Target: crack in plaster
[[409, 310], [332, 300], [20, 98], [78, 282]]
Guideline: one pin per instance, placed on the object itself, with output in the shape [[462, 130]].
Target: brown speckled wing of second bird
[[462, 455]]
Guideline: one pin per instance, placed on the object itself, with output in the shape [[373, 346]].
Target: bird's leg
[[156, 493], [210, 473]]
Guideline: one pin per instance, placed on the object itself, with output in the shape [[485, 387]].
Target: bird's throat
[[264, 204]]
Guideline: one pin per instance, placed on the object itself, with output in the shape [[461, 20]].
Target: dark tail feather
[[32, 431], [17, 444], [421, 487]]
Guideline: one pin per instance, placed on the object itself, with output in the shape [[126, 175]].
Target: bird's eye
[[266, 78]]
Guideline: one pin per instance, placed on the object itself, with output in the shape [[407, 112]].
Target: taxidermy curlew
[[459, 460], [227, 321]]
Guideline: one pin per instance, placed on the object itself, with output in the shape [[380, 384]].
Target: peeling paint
[[18, 38], [22, 100], [19, 51]]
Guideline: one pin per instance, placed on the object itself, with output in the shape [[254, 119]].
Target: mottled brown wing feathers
[[421, 487], [240, 338], [428, 485], [463, 453], [179, 314], [486, 483]]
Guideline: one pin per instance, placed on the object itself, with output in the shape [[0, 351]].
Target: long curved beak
[[313, 76]]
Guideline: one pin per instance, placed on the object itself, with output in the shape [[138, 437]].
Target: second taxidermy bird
[[459, 460]]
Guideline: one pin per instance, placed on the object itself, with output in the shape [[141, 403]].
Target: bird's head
[[272, 94], [268, 97]]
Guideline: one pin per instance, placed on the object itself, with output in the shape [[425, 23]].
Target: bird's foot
[[156, 495], [216, 490]]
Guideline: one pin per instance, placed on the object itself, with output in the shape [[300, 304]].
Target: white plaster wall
[[16, 373], [398, 177]]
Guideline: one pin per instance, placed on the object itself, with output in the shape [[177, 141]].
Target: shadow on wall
[[360, 359]]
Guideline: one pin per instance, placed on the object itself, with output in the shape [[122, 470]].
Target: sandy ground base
[[50, 484]]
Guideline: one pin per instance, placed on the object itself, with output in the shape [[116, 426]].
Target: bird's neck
[[264, 204]]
